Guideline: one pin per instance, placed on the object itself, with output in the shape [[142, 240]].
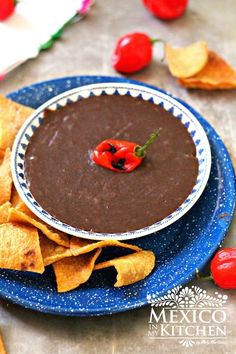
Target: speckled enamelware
[[156, 96], [180, 248]]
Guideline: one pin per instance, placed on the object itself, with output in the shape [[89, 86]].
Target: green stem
[[140, 151], [209, 277], [157, 40], [199, 277]]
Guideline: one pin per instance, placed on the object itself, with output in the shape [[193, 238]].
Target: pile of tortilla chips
[[29, 244], [197, 67]]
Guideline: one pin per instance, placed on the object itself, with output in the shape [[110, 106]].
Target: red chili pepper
[[132, 53], [166, 9], [7, 7], [223, 268], [121, 155]]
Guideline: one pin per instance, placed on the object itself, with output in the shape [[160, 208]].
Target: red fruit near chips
[[166, 9], [7, 7], [223, 268], [132, 53]]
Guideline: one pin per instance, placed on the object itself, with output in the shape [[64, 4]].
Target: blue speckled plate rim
[[137, 303]]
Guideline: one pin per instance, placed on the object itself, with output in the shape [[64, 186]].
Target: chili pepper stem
[[156, 40], [199, 277], [140, 151]]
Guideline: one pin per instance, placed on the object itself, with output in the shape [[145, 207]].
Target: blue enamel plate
[[180, 248]]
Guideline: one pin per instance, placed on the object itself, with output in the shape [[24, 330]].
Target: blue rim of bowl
[[156, 96]]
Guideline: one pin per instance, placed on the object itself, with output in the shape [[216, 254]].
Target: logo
[[188, 315]]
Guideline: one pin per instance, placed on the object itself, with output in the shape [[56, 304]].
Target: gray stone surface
[[85, 48]]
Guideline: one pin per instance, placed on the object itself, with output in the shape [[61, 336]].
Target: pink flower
[[85, 6]]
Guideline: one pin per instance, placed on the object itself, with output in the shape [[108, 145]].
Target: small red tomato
[[166, 9], [132, 53], [223, 268], [7, 7]]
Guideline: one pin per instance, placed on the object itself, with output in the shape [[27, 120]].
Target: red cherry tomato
[[223, 268], [166, 9], [132, 53], [7, 7]]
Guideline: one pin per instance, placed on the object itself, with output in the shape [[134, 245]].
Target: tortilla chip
[[21, 206], [2, 346], [74, 271], [217, 74], [19, 248], [15, 198], [4, 210], [1, 154], [12, 116], [19, 217], [187, 61], [80, 246], [5, 178], [18, 204], [51, 251], [130, 268]]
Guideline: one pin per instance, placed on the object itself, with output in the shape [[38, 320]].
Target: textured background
[[84, 49]]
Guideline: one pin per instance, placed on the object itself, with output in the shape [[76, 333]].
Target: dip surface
[[69, 186]]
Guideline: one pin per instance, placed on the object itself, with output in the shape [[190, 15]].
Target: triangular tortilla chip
[[5, 178], [21, 206], [217, 74], [187, 61], [4, 210], [130, 268], [51, 251], [74, 271], [12, 116], [19, 248], [19, 217], [2, 346], [80, 246]]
